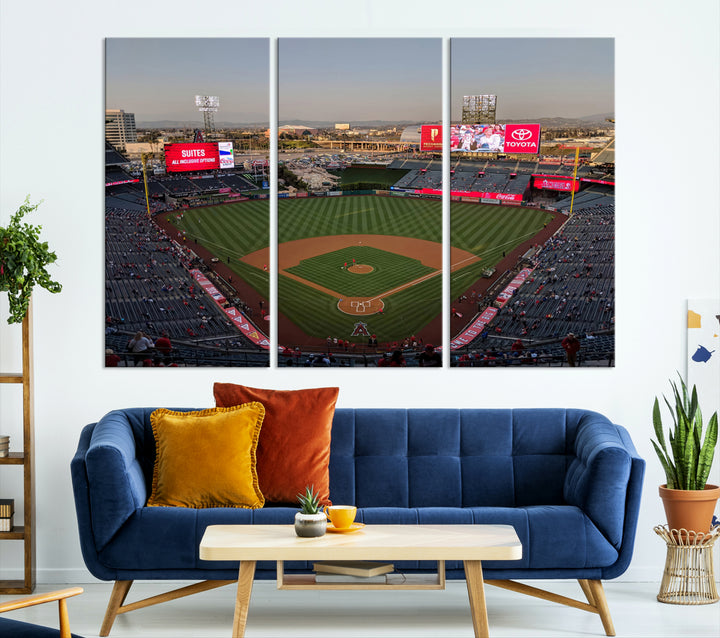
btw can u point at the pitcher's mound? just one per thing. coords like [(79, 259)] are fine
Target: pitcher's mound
[(360, 269), (360, 306)]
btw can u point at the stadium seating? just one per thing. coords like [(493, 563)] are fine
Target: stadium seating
[(571, 290), (149, 288)]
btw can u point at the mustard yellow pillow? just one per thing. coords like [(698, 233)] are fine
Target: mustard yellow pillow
[(207, 458)]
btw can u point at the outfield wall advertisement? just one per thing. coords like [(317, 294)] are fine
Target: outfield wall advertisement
[(507, 197), (201, 156), (555, 183)]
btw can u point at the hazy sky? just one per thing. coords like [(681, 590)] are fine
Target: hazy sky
[(158, 78), (535, 77), (356, 79)]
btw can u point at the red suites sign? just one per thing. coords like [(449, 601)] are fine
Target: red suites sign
[(191, 157)]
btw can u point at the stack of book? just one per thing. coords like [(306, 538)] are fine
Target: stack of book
[(4, 445), (7, 509), (361, 571)]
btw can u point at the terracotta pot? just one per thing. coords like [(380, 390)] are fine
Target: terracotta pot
[(690, 509)]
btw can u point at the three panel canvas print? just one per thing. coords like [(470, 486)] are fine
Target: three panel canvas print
[(365, 252)]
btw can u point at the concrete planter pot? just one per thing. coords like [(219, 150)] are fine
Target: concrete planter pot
[(310, 525)]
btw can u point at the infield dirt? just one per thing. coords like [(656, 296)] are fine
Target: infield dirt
[(428, 253)]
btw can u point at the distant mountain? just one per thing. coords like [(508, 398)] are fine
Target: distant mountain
[(552, 122), (566, 122), (353, 123), (167, 124)]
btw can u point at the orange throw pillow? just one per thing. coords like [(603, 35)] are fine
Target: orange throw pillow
[(294, 446)]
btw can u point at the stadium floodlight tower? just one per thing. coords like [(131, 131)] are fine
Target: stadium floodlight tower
[(479, 109), (208, 105)]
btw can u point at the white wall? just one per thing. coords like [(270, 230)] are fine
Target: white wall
[(668, 233)]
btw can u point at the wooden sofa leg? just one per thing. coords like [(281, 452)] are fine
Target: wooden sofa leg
[(600, 603), (587, 591), (117, 598)]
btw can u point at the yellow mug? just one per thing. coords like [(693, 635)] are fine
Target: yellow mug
[(341, 516)]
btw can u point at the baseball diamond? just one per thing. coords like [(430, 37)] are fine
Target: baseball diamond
[(395, 282)]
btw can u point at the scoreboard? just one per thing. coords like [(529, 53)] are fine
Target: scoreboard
[(201, 156)]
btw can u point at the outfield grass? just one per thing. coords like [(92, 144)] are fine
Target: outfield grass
[(390, 271), (489, 231), (384, 176), (318, 217), (232, 230)]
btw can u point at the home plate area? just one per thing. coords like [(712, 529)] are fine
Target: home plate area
[(360, 305)]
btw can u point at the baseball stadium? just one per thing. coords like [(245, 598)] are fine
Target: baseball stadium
[(360, 262), (359, 271)]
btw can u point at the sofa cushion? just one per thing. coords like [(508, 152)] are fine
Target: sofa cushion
[(294, 446), (207, 458)]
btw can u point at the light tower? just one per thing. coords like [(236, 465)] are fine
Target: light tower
[(208, 106), (479, 109)]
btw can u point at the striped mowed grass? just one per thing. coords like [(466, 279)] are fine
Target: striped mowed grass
[(368, 214), (234, 230), (230, 231), (332, 270), (489, 231)]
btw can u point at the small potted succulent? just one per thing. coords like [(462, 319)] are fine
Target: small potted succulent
[(311, 520)]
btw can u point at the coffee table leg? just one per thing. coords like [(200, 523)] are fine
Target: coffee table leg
[(476, 593), (242, 600)]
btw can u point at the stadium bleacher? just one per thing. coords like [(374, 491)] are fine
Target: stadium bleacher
[(149, 288), (572, 289)]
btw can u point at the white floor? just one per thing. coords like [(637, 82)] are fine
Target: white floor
[(412, 614)]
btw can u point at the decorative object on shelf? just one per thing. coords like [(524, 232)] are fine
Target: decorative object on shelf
[(689, 502), (4, 444), (310, 521), (7, 509), (358, 568), (23, 258), (688, 578)]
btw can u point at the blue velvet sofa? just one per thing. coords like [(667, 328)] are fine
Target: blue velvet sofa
[(568, 480)]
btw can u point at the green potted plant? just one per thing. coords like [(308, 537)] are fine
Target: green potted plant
[(311, 520), (23, 258), (688, 500)]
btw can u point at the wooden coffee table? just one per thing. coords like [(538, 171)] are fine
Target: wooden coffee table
[(469, 543)]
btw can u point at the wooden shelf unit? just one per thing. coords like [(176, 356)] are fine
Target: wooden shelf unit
[(26, 459)]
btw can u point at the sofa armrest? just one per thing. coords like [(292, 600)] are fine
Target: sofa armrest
[(116, 482), (598, 476)]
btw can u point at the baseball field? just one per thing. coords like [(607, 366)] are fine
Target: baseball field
[(368, 260)]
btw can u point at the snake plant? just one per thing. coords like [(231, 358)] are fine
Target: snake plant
[(688, 461)]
